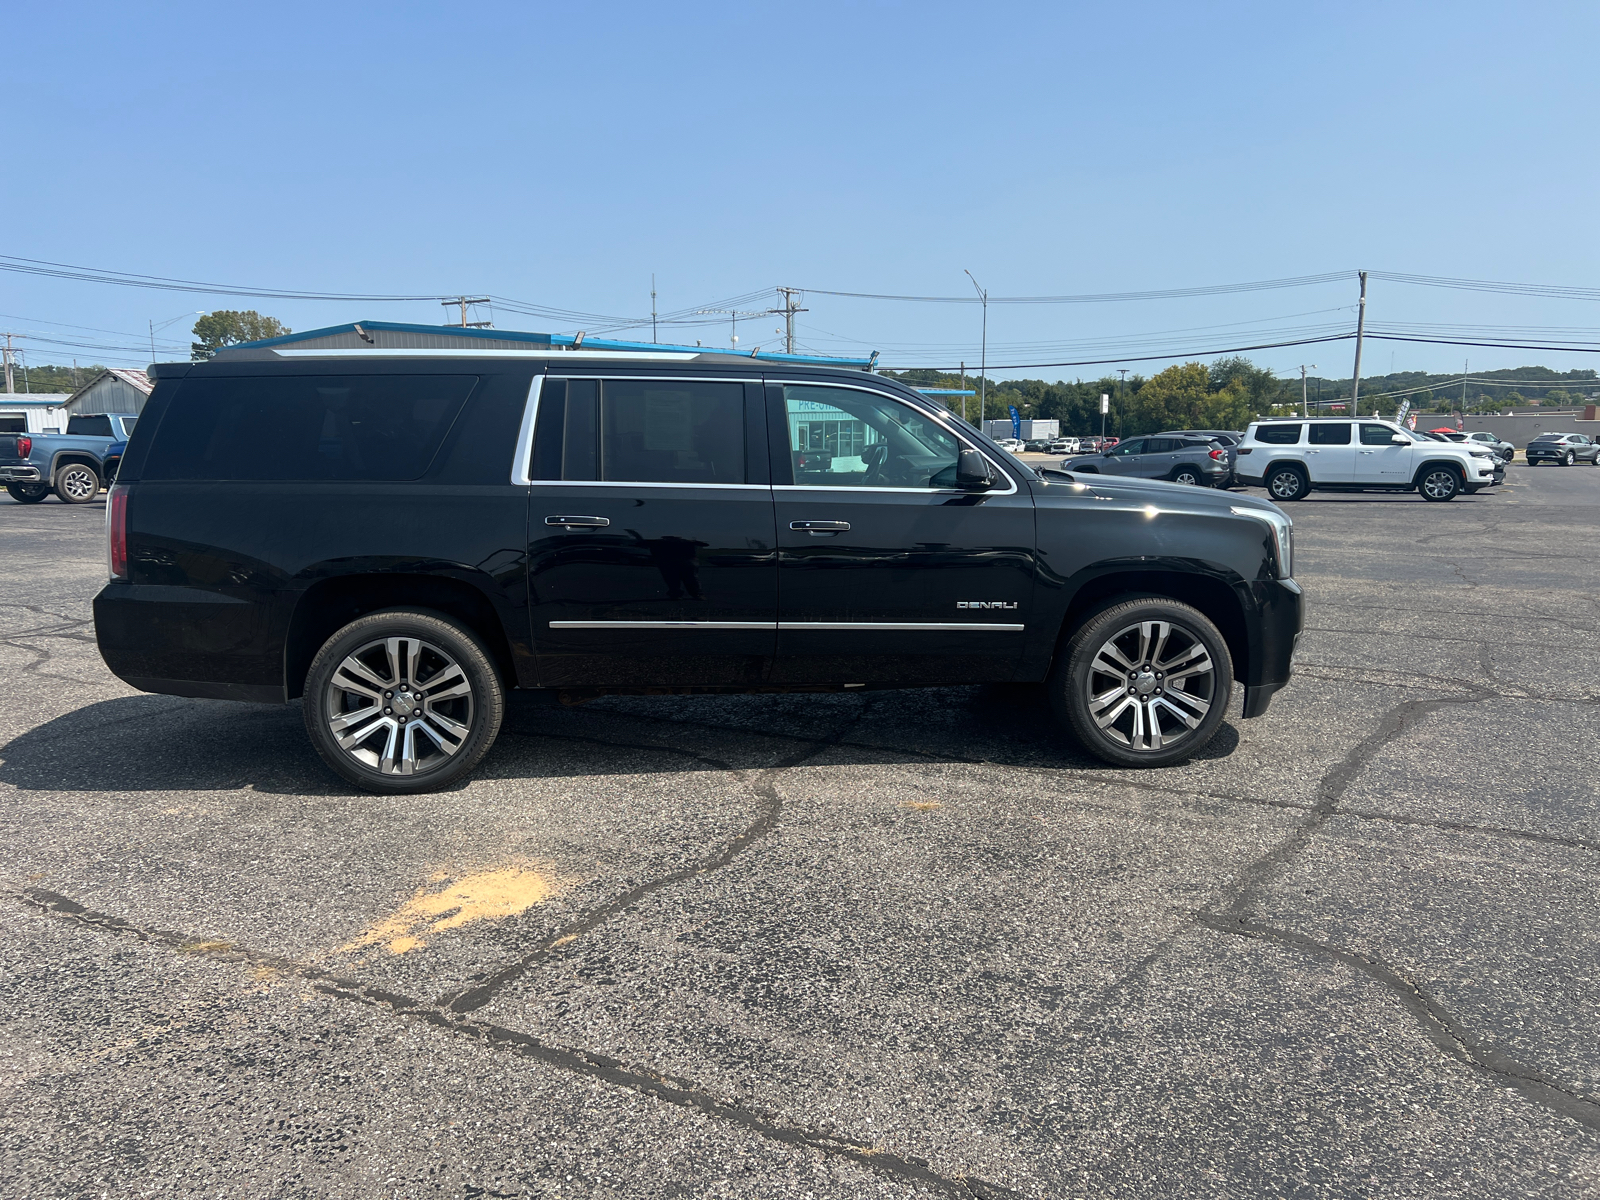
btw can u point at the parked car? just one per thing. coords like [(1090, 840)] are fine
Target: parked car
[(1012, 445), (1563, 449), (1037, 445), (1182, 460), (1064, 445), (443, 527), (1229, 440), (1292, 458), (1482, 437), (71, 464)]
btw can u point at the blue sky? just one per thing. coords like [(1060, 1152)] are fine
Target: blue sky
[(560, 154)]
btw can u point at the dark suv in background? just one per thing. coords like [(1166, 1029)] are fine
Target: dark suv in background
[(398, 538)]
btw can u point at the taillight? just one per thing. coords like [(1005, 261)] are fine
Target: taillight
[(24, 446), (117, 531), (1219, 454)]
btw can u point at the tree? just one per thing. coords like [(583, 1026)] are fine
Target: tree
[(216, 330), (1181, 397)]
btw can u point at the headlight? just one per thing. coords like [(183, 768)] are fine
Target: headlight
[(1283, 536)]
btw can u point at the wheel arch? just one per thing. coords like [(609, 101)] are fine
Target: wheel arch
[(1211, 595), (1429, 464), (330, 604), (1294, 464), (67, 458)]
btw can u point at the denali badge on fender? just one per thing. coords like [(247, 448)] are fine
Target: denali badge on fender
[(985, 604)]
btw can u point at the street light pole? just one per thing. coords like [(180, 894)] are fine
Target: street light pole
[(983, 368)]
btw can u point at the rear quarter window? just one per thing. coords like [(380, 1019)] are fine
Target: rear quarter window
[(377, 428), (1278, 435)]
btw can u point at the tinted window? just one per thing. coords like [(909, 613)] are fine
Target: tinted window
[(671, 431), (841, 437), (1278, 435), (128, 423), (1161, 445), (13, 424), (566, 443), (90, 426), (1334, 433), (1376, 435), (310, 427), (1136, 446)]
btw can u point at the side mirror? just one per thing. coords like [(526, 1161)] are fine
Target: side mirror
[(972, 470), (1400, 441)]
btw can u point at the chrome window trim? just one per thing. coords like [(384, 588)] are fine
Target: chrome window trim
[(874, 626), (947, 424), (530, 420)]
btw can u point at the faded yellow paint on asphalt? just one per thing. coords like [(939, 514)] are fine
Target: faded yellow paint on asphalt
[(482, 896)]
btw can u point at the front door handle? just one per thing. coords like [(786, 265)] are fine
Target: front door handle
[(579, 522), (820, 528)]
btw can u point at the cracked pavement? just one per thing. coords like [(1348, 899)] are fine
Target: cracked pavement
[(886, 944)]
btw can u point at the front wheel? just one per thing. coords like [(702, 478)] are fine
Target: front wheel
[(1143, 683), (403, 701), (77, 484), (27, 493), (1439, 484)]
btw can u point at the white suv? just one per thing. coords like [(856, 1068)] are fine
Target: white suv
[(1291, 458)]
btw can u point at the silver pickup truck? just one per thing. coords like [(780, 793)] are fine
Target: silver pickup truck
[(74, 465)]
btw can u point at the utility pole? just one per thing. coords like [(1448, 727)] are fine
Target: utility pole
[(462, 302), (653, 336), (1305, 407), (983, 366), (1361, 331), (1465, 363), (964, 392), (152, 341), (788, 310), (10, 381)]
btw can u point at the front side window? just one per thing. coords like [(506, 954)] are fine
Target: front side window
[(1334, 433), (307, 427), (841, 437), (1124, 448), (1278, 435), (639, 431), (1376, 435)]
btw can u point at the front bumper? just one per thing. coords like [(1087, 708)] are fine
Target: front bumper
[(19, 474)]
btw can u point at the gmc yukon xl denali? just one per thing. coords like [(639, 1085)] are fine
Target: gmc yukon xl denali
[(395, 538)]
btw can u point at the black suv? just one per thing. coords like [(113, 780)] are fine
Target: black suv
[(400, 537)]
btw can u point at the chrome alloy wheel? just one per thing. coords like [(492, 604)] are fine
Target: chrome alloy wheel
[(1284, 485), (1150, 685), (399, 705), (1439, 485), (80, 484)]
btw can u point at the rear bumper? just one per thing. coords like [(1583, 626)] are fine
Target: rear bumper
[(183, 641), (19, 474)]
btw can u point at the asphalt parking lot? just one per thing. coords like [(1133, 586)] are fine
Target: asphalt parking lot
[(885, 944)]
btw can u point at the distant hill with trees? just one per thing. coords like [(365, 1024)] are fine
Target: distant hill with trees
[(1231, 392), (54, 379)]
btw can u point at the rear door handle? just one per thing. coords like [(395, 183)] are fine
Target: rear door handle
[(820, 528), (579, 522)]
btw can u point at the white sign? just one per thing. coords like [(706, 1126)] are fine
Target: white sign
[(1405, 407), (1105, 403)]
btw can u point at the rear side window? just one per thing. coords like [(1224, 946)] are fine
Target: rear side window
[(1278, 435), (640, 431), (89, 426), (309, 427), (1336, 433)]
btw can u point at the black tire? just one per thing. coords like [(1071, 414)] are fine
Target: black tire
[(28, 493), (76, 484), (439, 756), (1287, 483), (1569, 459), (1186, 475), (1078, 678), (1439, 484)]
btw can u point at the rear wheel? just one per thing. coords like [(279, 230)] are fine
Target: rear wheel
[(1186, 475), (77, 484), (1439, 484), (1143, 683), (1568, 459), (403, 701), (1287, 483), (28, 493)]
